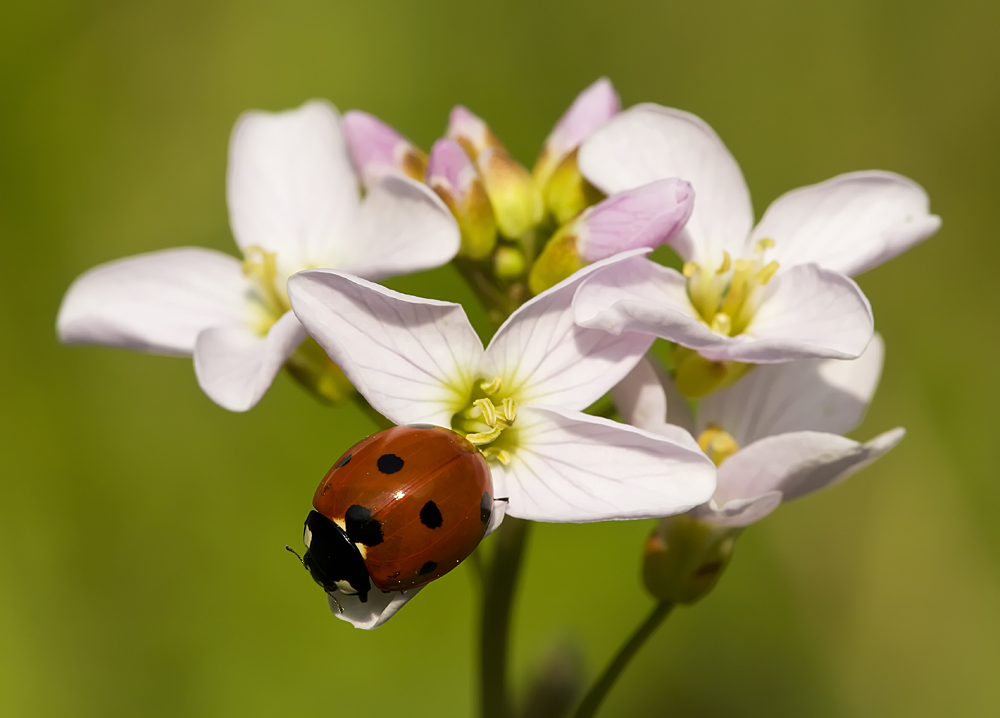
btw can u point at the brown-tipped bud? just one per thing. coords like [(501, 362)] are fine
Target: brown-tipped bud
[(452, 175), (683, 558), (378, 150), (470, 132), (517, 202)]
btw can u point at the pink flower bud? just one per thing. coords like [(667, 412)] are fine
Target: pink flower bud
[(452, 175), (470, 131), (377, 149)]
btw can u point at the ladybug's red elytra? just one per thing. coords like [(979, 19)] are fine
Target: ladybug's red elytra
[(398, 510)]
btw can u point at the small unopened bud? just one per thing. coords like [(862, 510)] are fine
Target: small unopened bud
[(312, 368), (567, 192), (517, 202), (696, 376), (377, 149), (509, 263), (470, 131), (558, 260), (592, 108), (556, 683), (683, 558), (452, 175)]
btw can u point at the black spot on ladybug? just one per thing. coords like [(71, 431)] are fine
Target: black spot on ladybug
[(361, 527), (422, 426), (427, 568), (485, 508), (343, 462), (430, 515), (389, 463)]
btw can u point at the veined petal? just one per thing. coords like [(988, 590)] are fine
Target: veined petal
[(649, 142), (379, 608), (403, 227), (797, 464), (828, 395), (378, 150), (738, 512), (413, 359), (638, 295), (571, 467), (806, 312), (156, 302), (290, 186), (647, 398), (235, 365), (849, 223), (544, 358), (646, 216)]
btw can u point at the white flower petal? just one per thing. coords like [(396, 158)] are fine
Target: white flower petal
[(235, 365), (647, 398), (649, 142), (499, 504), (806, 312), (797, 464), (572, 467), (156, 302), (739, 512), (545, 359), (403, 227), (413, 359), (849, 223), (379, 608), (290, 186), (829, 395)]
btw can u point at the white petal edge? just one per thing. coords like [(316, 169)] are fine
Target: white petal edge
[(413, 359), (797, 464), (649, 142), (403, 227), (739, 512), (235, 366), (828, 395), (648, 398), (543, 358), (290, 186), (156, 302), (378, 609), (849, 223), (570, 467)]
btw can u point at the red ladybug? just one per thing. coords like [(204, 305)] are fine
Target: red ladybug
[(398, 510)]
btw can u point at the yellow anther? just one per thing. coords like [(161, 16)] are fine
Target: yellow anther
[(717, 444), (689, 269), (501, 455), (260, 267), (763, 244), (726, 262), (486, 437), (509, 410), (488, 410), (492, 387), (722, 323), (765, 274)]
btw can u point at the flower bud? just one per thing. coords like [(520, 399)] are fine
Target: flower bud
[(592, 108), (312, 368), (509, 263), (377, 149), (517, 203), (568, 192), (683, 558), (452, 175), (470, 131), (696, 376), (558, 260)]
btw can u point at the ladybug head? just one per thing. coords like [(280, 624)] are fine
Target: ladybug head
[(332, 559)]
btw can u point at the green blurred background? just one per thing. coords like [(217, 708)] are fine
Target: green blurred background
[(142, 528)]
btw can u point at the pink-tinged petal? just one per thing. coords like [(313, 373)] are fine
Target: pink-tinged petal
[(290, 186), (544, 358), (646, 216), (797, 464), (413, 359), (807, 312), (378, 150), (470, 131), (573, 468), (739, 512), (828, 395), (156, 302), (450, 168), (849, 223), (638, 295), (403, 227), (235, 365), (379, 608), (647, 143)]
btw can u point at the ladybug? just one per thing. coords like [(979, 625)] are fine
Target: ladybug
[(399, 509)]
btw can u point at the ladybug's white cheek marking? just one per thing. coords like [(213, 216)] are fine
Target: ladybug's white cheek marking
[(345, 588), (342, 524), (363, 549), (307, 537)]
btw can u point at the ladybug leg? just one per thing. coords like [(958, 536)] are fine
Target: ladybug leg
[(334, 599)]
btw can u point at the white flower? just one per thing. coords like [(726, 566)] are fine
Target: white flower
[(420, 361), (775, 434), (771, 293), (294, 203)]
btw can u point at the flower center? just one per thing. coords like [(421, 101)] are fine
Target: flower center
[(486, 418), (717, 444), (727, 296), (268, 295)]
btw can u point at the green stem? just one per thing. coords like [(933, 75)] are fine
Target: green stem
[(592, 701), (500, 585)]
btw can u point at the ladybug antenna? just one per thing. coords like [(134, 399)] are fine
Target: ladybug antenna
[(291, 550), (334, 599)]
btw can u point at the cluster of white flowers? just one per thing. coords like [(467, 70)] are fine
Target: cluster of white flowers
[(321, 207)]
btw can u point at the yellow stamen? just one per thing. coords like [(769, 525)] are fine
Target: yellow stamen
[(501, 455), (491, 388), (717, 444)]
